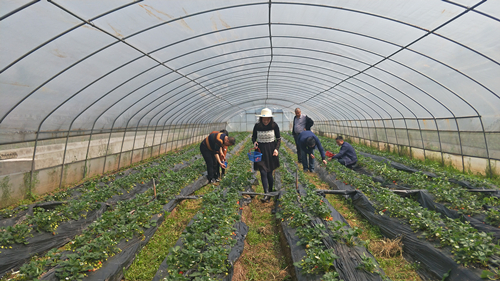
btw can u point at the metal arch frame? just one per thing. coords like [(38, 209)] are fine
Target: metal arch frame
[(137, 112), (483, 128), (292, 68), (233, 6), (272, 53), (313, 109), (195, 14), (467, 9), (134, 143), (18, 9), (95, 121)]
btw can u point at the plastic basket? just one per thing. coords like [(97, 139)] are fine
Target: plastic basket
[(329, 154), (254, 156)]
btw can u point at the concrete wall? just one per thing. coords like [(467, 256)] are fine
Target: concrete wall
[(469, 164), (51, 172)]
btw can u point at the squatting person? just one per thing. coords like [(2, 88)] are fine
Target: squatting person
[(347, 154)]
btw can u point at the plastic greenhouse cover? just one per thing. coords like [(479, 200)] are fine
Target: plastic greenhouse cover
[(70, 65)]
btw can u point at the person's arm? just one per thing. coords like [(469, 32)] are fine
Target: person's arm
[(278, 139), (221, 154), (254, 136), (341, 153), (320, 148), (217, 157)]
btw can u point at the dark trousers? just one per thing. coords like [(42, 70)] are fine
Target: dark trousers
[(299, 155), (342, 161), (210, 161), (267, 180), (307, 165)]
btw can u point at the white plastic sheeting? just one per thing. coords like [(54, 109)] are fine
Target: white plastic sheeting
[(90, 66)]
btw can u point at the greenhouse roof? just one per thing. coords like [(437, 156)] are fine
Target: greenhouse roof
[(98, 65)]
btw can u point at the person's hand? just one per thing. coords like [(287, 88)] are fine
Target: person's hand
[(312, 156), (275, 152), (255, 145), (324, 162), (330, 159), (222, 165)]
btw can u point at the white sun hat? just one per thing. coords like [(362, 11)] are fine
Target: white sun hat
[(266, 112)]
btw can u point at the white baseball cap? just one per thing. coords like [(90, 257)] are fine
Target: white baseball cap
[(266, 112)]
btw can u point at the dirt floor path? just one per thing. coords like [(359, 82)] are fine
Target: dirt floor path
[(262, 258)]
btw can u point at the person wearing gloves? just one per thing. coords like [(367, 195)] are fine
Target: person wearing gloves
[(211, 149), (347, 154), (266, 137), (308, 141)]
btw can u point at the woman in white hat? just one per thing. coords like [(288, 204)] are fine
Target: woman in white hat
[(266, 137)]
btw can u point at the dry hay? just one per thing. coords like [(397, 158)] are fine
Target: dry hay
[(387, 247)]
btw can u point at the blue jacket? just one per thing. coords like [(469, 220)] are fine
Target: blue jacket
[(347, 152), (303, 145)]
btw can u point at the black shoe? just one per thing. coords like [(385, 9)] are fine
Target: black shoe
[(265, 199), (217, 180)]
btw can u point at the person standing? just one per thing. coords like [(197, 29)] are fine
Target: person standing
[(301, 122), (347, 155), (308, 141), (211, 149), (266, 137)]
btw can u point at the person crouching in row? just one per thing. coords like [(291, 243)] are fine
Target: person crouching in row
[(347, 155), (212, 150)]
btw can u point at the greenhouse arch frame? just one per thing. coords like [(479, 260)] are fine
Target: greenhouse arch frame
[(89, 87)]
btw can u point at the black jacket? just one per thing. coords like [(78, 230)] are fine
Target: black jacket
[(309, 124)]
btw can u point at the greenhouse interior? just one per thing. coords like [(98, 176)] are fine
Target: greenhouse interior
[(136, 141)]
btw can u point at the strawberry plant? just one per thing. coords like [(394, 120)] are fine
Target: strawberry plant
[(468, 245), (124, 219), (207, 241)]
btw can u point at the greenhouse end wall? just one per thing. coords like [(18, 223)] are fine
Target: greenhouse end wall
[(20, 178), (469, 151)]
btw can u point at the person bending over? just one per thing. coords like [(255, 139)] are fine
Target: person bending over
[(301, 122), (211, 149), (219, 171), (308, 141)]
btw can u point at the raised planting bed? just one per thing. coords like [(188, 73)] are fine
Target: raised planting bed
[(437, 243), (429, 168), (130, 218), (214, 238), (322, 244), (479, 209)]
